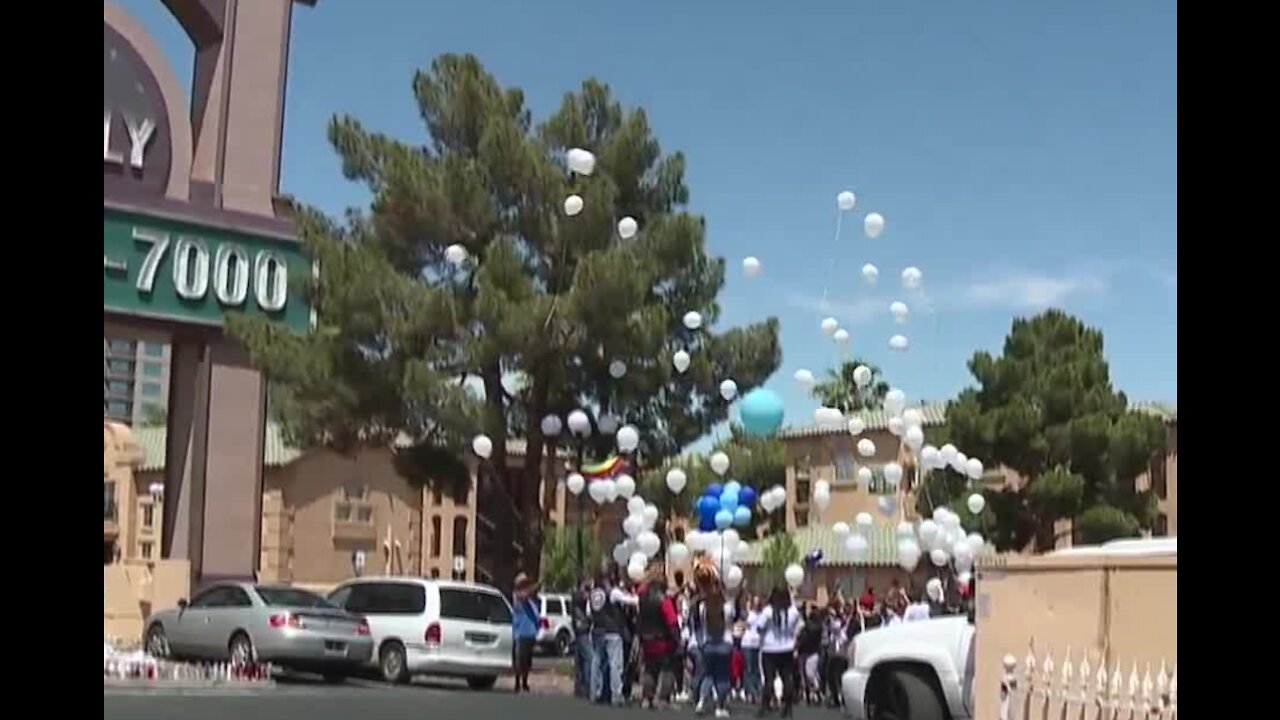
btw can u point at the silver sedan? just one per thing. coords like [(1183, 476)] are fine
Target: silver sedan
[(243, 623)]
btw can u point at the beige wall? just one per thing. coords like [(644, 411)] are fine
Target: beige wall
[(1118, 609), (132, 589)]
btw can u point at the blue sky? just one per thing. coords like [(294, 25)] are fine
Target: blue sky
[(1024, 154)]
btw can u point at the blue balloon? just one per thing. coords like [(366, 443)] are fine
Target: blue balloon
[(724, 519), (742, 516), (729, 501), (761, 411), (708, 506), (734, 487), (714, 490), (747, 496), (707, 524)]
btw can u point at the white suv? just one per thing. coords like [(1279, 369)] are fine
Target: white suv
[(555, 626), (432, 627)]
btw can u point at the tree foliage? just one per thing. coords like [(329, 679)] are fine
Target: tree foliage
[(540, 309), (840, 391), (1046, 409), (780, 550), (560, 569)]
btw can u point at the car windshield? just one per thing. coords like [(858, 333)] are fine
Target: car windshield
[(291, 597)]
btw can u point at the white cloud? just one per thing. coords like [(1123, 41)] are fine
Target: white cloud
[(1033, 291)]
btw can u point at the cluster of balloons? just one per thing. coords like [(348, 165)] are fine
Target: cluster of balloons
[(856, 540), (642, 543), (725, 506), (943, 540)]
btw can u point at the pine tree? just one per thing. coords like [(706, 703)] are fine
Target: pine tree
[(543, 305)]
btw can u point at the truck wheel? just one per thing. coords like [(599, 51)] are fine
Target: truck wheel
[(905, 695)]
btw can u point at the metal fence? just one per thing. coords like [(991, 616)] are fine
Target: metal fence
[(1040, 688)]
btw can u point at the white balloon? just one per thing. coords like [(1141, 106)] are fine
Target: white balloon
[(864, 521), (973, 468), (930, 458), (575, 483), (743, 551), (870, 273), (636, 572), (607, 424), (892, 474), (846, 200), (572, 205), (633, 525), (676, 480), (794, 575), (841, 336), (455, 254), (829, 326), (828, 417), (628, 438), (929, 530), (729, 539), (635, 505), (940, 515), (678, 553), (964, 578), (680, 360), (939, 557), (751, 266), (899, 311), (873, 225), (896, 426), (841, 529), (609, 488), (913, 437), (857, 547), (551, 425), (963, 556), (895, 401), (719, 463), (579, 423), (621, 553), (482, 446), (693, 539), (598, 492), (912, 277), (933, 589), (617, 369), (649, 543), (912, 418), (976, 542), (862, 376), (728, 390), (899, 343), (779, 496), (626, 485), (866, 448), (638, 558), (904, 531), (822, 497), (865, 476), (856, 425), (692, 320), (961, 464), (948, 454), (733, 577), (580, 161), (976, 503), (627, 228), (908, 556), (650, 514), (805, 378)]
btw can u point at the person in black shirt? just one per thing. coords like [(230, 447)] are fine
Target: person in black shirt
[(583, 651)]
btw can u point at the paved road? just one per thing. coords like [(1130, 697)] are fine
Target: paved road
[(361, 700)]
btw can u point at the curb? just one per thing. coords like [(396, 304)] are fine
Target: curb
[(168, 685)]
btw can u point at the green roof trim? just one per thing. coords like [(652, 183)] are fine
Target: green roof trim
[(883, 551)]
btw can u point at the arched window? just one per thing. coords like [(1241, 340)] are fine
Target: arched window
[(460, 536)]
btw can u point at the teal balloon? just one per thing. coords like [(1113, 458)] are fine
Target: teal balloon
[(742, 516), (724, 519), (761, 412)]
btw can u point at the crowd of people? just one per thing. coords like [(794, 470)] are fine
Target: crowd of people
[(695, 642)]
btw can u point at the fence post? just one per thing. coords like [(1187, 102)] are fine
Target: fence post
[(1008, 683)]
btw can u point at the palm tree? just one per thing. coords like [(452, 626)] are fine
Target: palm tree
[(841, 392)]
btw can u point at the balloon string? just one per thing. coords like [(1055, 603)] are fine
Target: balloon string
[(835, 256)]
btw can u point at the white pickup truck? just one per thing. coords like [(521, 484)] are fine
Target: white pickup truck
[(924, 670)]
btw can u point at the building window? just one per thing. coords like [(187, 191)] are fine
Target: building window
[(364, 514), (152, 369), (846, 467), (121, 347), (153, 350), (437, 497), (435, 536), (151, 389), (1161, 528), (144, 549), (435, 573), (119, 409), (118, 387), (120, 367), (355, 493), (108, 500), (460, 536), (148, 515), (802, 516), (342, 512), (461, 492)]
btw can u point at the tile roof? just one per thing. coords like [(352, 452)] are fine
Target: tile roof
[(1167, 412), (277, 452)]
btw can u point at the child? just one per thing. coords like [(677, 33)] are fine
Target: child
[(737, 664)]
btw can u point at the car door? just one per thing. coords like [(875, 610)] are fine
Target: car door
[(495, 645), (394, 610), (229, 613), (193, 635), (464, 626)]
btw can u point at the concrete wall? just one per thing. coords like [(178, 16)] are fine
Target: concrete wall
[(132, 590), (1121, 609)]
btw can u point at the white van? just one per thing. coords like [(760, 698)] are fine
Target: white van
[(432, 627)]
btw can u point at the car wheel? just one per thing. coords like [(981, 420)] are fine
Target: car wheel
[(157, 643), (905, 695), (241, 650), (564, 644), (391, 660), (482, 682)]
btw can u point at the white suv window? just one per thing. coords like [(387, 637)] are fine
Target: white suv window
[(554, 606)]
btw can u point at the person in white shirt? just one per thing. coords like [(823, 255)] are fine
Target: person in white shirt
[(712, 622), (778, 624), (751, 682)]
